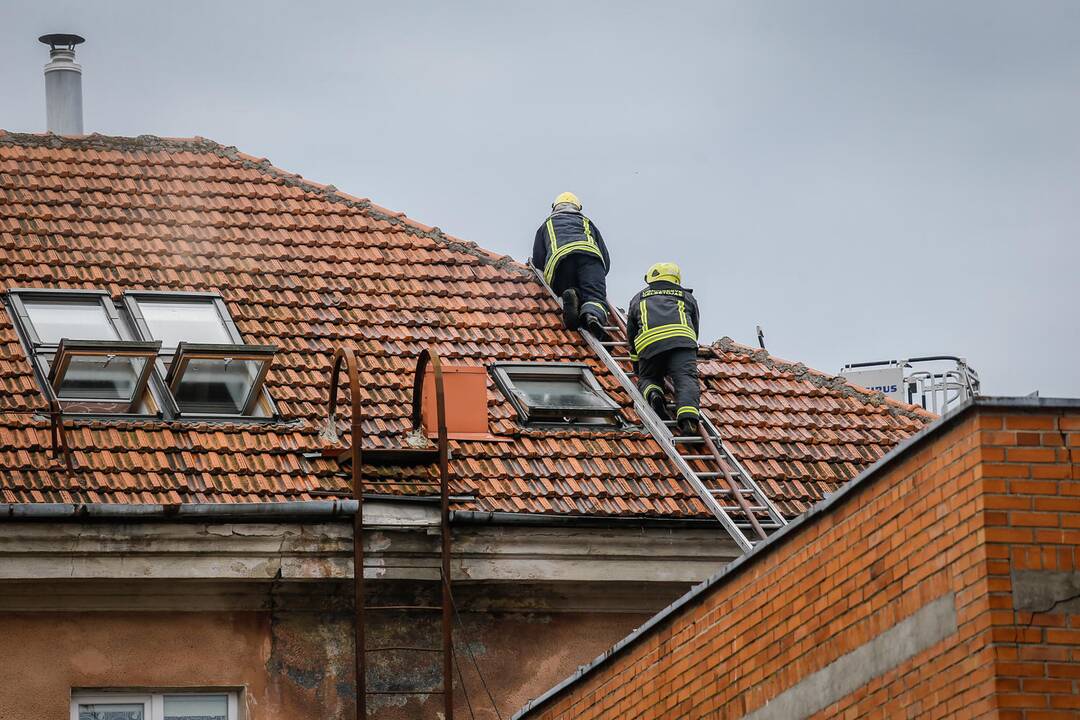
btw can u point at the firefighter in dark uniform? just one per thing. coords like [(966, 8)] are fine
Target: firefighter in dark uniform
[(570, 251), (662, 328)]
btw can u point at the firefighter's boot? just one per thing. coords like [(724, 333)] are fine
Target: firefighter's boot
[(570, 309)]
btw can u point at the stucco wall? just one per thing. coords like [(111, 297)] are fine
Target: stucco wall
[(290, 665)]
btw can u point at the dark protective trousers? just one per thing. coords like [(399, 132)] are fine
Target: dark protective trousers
[(679, 364), (587, 274)]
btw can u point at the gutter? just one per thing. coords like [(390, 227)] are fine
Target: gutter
[(338, 508), (698, 592), (113, 511), (298, 509), (477, 517)]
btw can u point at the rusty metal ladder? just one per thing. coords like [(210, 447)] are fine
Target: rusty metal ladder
[(345, 359), (708, 465)]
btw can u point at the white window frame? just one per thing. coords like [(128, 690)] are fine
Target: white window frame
[(131, 300), (153, 702), (44, 356), (126, 319), (506, 373)]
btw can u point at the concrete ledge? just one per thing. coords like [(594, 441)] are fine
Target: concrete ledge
[(925, 628), (401, 544)]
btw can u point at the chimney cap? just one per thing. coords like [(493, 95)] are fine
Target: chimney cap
[(54, 40)]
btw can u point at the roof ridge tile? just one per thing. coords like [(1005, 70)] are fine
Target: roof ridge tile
[(151, 143)]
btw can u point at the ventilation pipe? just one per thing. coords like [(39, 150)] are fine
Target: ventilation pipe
[(63, 85)]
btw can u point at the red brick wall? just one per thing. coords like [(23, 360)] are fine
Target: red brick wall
[(952, 515), (1031, 478)]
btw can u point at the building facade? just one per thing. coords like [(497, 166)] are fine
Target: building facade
[(943, 582), (176, 509)]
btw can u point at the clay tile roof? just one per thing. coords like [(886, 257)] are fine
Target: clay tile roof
[(307, 267)]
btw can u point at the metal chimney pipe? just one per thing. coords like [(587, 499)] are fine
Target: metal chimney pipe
[(63, 85)]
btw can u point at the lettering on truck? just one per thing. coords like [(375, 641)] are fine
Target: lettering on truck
[(885, 388)]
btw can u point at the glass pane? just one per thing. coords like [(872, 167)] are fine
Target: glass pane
[(100, 377), (111, 711), (557, 392), (173, 322), (217, 385), (71, 319), (196, 707)]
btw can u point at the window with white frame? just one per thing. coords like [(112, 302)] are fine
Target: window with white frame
[(89, 359), (201, 705), (556, 393), (160, 354), (208, 369)]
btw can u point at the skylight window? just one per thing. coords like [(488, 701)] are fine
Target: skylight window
[(561, 393), (208, 368), (85, 353), (109, 376), (218, 379), (163, 354), (175, 322), (71, 317)]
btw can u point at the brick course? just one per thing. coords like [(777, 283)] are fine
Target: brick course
[(958, 512)]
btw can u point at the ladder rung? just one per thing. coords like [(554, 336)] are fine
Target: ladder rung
[(389, 648), (687, 439), (726, 491), (402, 607), (403, 692), (622, 358), (710, 474), (612, 343), (698, 457), (612, 328)]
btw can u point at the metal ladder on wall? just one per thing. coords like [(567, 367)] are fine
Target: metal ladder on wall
[(715, 474), (345, 359)]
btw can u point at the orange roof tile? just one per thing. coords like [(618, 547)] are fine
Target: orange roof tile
[(306, 267)]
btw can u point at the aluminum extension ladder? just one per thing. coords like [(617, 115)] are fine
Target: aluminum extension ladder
[(720, 480)]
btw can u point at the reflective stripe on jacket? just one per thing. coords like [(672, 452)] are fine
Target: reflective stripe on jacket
[(662, 316), (566, 233)]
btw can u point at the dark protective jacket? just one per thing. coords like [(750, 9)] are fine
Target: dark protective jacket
[(565, 233), (660, 317)]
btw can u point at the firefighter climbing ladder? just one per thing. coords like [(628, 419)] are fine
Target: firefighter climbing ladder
[(720, 480)]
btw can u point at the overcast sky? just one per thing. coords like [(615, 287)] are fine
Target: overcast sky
[(866, 180)]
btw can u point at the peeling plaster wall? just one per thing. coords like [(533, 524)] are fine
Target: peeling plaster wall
[(290, 664), (519, 654), (45, 655)]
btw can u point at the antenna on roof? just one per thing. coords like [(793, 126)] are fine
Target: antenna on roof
[(63, 85), (760, 337)]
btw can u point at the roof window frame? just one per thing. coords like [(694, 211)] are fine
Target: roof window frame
[(133, 336), (67, 350), (43, 355), (130, 300), (18, 296), (186, 352), (504, 374), (168, 355)]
